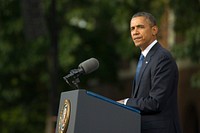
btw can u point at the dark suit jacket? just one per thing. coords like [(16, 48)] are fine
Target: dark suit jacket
[(155, 93)]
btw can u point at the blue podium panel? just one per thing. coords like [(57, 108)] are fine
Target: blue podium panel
[(88, 112)]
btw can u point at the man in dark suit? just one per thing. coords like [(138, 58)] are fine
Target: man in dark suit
[(154, 90)]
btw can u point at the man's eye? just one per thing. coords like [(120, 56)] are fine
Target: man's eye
[(132, 29), (140, 26)]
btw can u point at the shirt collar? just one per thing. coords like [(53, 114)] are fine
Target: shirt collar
[(146, 51)]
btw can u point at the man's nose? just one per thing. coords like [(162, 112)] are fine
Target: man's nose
[(135, 32)]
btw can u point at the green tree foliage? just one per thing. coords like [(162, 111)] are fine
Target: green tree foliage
[(23, 74), (187, 27)]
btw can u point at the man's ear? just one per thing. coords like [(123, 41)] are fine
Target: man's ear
[(154, 30)]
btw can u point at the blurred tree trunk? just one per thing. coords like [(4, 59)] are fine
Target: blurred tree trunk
[(53, 67), (34, 21), (35, 27)]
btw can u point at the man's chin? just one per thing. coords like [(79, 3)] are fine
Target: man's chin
[(137, 44)]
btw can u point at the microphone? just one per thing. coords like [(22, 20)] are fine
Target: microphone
[(85, 67), (89, 66)]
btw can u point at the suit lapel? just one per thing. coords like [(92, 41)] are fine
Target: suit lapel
[(145, 62)]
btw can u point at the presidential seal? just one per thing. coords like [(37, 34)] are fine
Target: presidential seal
[(64, 117)]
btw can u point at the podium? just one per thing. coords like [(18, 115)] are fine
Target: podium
[(82, 111)]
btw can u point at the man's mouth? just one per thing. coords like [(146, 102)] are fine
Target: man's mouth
[(137, 38)]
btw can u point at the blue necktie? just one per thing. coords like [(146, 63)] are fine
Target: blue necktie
[(139, 65)]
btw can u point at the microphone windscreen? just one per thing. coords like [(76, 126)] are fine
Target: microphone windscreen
[(89, 65)]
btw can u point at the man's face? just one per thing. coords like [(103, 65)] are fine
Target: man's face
[(142, 33)]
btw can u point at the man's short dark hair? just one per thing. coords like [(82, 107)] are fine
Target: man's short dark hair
[(147, 15)]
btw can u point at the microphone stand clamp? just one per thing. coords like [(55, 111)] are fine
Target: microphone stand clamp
[(73, 78)]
